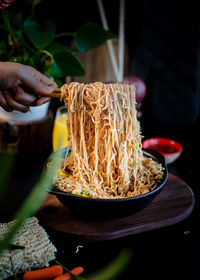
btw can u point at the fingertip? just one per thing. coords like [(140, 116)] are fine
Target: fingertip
[(47, 81), (45, 90), (54, 85), (41, 101), (50, 88), (8, 109), (4, 104), (37, 82), (24, 110)]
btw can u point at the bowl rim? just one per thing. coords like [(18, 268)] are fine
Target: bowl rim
[(148, 152), (167, 142)]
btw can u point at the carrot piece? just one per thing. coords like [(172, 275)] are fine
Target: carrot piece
[(44, 274), (67, 276)]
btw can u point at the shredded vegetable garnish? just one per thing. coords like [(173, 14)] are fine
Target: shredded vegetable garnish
[(106, 159)]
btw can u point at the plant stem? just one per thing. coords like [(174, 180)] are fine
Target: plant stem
[(115, 268), (65, 34), (32, 9), (49, 54), (13, 269), (66, 269), (7, 23)]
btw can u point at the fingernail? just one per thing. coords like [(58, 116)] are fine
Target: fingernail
[(26, 110), (45, 102), (8, 109), (50, 88)]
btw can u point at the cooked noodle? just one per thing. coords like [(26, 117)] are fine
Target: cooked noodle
[(106, 158)]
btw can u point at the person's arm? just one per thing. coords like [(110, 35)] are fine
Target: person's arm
[(22, 86)]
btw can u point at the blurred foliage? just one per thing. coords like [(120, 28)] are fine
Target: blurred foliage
[(30, 206), (32, 202), (111, 271), (115, 268), (30, 40)]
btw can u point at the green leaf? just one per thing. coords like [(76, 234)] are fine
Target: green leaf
[(66, 64), (33, 201), (115, 268), (39, 34), (58, 47), (16, 18), (12, 246), (66, 269), (58, 82), (91, 35), (27, 45), (13, 269), (16, 247)]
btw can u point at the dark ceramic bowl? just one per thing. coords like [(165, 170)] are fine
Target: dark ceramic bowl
[(94, 208)]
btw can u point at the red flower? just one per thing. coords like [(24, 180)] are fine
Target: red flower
[(5, 3)]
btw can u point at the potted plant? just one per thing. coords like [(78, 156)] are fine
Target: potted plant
[(31, 41)]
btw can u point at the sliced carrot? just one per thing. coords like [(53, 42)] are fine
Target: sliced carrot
[(97, 190), (68, 276), (115, 176), (44, 274)]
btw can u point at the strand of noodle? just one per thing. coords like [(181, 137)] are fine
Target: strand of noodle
[(106, 143)]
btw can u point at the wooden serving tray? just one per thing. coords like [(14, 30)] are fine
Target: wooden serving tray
[(172, 205)]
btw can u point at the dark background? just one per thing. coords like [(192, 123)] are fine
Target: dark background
[(163, 49)]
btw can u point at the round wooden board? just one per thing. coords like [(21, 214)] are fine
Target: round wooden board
[(174, 203)]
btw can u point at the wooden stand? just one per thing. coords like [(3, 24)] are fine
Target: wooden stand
[(174, 203), (26, 137)]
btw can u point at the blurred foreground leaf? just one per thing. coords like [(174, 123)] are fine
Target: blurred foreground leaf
[(13, 246), (115, 268), (73, 275), (111, 271), (32, 203)]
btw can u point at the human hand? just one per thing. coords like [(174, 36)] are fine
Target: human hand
[(22, 86)]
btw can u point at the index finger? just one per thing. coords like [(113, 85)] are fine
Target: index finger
[(36, 81)]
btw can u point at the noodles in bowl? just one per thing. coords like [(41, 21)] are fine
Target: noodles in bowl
[(106, 160)]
